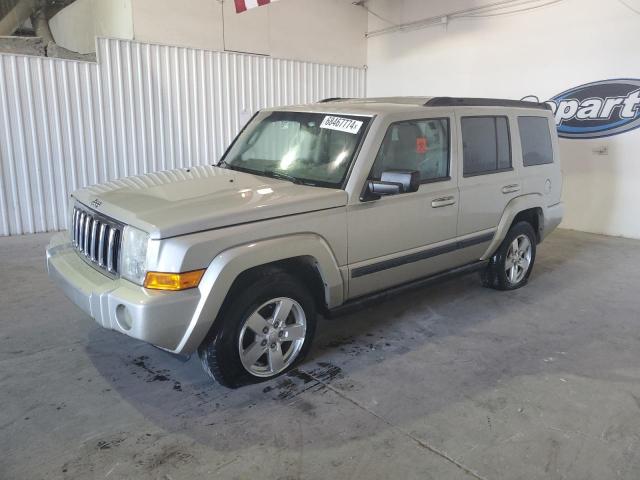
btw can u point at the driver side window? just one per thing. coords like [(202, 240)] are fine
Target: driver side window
[(421, 145)]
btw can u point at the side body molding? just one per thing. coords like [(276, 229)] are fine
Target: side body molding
[(229, 264), (515, 206)]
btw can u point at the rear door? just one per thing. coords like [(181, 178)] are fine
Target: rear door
[(489, 176)]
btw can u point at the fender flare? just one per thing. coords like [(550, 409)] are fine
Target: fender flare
[(229, 264), (515, 206)]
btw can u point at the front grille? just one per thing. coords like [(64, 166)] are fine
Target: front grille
[(97, 238)]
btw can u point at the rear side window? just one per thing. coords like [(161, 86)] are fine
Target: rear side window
[(421, 145), (536, 141), (486, 145)]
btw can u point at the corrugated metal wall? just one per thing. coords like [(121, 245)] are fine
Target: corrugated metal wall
[(142, 108)]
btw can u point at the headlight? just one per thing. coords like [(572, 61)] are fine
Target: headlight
[(133, 260)]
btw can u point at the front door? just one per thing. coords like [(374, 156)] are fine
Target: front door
[(402, 237)]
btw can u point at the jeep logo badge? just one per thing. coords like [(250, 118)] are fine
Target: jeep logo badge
[(96, 203), (598, 109)]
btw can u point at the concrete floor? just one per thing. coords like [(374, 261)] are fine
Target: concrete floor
[(453, 382)]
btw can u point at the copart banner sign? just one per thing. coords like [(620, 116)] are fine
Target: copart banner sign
[(598, 109)]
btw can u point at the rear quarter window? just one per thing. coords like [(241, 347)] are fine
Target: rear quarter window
[(535, 139)]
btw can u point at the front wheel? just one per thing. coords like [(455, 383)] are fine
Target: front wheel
[(511, 265), (265, 329)]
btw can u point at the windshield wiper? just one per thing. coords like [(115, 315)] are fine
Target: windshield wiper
[(224, 164), (268, 173), (283, 176)]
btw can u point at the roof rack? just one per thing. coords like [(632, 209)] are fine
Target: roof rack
[(483, 102), (332, 99)]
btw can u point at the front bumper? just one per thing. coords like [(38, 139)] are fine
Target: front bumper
[(160, 318)]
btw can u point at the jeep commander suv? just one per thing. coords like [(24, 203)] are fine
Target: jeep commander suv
[(313, 208)]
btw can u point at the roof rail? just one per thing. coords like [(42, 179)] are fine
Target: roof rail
[(332, 99), (483, 102)]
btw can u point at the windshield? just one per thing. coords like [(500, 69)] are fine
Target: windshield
[(309, 148)]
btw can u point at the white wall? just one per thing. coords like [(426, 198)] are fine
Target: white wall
[(191, 23), (325, 31), (541, 52), (76, 26), (113, 18), (141, 108), (73, 27)]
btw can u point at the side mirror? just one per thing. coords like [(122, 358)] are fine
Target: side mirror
[(392, 182)]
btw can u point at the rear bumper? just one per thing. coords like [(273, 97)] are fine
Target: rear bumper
[(552, 218), (160, 318)]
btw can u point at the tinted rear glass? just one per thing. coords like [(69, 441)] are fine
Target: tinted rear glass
[(486, 145), (536, 141)]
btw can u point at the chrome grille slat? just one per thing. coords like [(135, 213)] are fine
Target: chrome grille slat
[(103, 232), (78, 228), (74, 226), (72, 231), (87, 233), (94, 232), (83, 218), (111, 249), (97, 238), (77, 225)]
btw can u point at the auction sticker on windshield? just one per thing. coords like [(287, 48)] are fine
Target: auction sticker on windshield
[(341, 124)]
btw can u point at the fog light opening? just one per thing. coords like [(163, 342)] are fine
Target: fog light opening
[(123, 317)]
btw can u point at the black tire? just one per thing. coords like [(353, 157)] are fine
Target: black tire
[(495, 275), (219, 353)]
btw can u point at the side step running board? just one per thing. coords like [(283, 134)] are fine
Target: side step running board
[(361, 302)]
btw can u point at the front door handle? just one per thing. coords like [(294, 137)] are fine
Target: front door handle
[(511, 188), (443, 202)]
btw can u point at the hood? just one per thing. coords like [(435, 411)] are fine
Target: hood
[(177, 202)]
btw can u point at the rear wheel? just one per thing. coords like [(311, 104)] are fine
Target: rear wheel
[(265, 329), (512, 263)]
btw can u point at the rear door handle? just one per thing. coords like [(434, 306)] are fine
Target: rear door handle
[(443, 202), (511, 188)]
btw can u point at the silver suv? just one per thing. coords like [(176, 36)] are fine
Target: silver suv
[(313, 208)]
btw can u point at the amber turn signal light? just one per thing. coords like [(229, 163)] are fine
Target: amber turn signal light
[(173, 281)]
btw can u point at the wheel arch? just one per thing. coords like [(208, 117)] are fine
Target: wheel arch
[(304, 268), (524, 208), (308, 256), (535, 217)]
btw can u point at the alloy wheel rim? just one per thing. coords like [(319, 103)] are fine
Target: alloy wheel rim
[(272, 337), (518, 259)]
